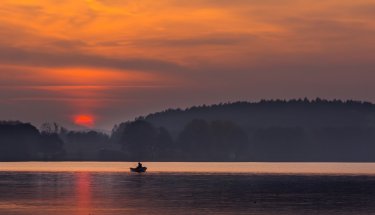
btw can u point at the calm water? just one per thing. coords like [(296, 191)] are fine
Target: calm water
[(84, 188)]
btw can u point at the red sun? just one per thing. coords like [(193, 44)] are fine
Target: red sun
[(84, 120)]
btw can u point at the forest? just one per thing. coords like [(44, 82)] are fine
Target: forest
[(299, 130)]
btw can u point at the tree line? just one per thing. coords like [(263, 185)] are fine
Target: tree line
[(273, 130)]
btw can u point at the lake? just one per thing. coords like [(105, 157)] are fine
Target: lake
[(108, 188)]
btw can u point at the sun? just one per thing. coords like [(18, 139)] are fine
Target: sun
[(84, 120)]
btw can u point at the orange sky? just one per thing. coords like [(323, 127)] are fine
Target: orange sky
[(117, 59)]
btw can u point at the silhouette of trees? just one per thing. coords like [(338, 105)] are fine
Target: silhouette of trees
[(280, 144), (85, 145), (164, 147), (111, 155), (269, 130), (50, 128), (140, 140), (18, 141), (51, 147), (212, 141)]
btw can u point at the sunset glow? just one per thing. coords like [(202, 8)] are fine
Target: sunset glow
[(187, 107), (101, 56)]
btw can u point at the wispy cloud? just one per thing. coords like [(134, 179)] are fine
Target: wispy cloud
[(17, 56), (60, 56)]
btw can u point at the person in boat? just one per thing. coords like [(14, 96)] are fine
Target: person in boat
[(139, 165)]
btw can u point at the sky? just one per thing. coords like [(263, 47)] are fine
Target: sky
[(96, 63)]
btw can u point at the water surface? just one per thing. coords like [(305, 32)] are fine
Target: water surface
[(196, 167), (82, 188)]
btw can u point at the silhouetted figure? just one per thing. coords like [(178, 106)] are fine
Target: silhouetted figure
[(139, 168), (139, 165)]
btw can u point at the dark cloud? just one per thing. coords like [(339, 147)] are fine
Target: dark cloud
[(366, 10), (219, 39), (324, 27), (17, 56), (111, 43), (67, 44)]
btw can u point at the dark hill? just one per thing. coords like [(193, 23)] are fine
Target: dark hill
[(273, 113), (275, 130)]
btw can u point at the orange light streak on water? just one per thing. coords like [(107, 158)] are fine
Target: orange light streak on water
[(83, 189), (190, 167)]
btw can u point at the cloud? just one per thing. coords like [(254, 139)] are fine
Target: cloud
[(179, 52), (65, 44), (17, 56), (219, 39), (323, 27), (22, 9), (86, 17)]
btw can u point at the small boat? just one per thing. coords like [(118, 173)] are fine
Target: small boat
[(138, 169)]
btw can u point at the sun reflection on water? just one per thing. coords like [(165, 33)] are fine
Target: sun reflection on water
[(83, 190)]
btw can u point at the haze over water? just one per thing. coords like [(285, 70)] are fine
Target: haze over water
[(82, 188)]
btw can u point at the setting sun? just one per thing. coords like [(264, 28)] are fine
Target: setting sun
[(84, 120)]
